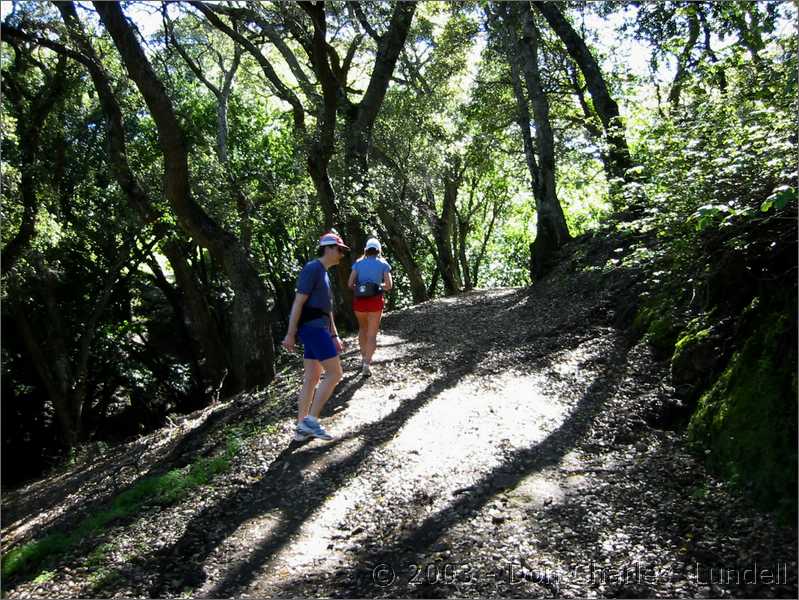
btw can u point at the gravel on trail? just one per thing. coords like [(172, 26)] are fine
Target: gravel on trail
[(500, 449)]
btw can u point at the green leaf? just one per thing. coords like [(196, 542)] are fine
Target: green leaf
[(708, 214), (779, 198)]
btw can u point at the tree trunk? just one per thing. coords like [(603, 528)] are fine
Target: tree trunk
[(523, 120), (551, 231), (403, 253), (199, 320), (486, 237), (442, 237), (464, 219), (52, 368), (463, 232), (173, 296), (685, 56), (252, 351), (29, 128), (395, 233), (431, 291), (360, 118), (618, 152), (449, 217), (197, 317), (243, 205)]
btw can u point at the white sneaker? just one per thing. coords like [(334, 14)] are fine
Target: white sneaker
[(309, 425), (300, 435), (366, 371)]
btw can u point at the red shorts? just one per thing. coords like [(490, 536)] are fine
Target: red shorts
[(368, 304)]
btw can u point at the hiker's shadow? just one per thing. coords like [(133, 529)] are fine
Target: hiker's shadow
[(344, 392), (338, 402)]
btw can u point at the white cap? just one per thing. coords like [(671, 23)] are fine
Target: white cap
[(373, 244)]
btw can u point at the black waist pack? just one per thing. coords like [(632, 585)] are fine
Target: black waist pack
[(309, 313), (365, 290)]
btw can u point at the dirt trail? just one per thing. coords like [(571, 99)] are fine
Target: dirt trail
[(501, 448)]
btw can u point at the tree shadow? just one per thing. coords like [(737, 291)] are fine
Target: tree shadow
[(177, 453), (270, 492), (680, 513), (344, 392), (519, 465), (664, 500), (439, 329), (328, 480)]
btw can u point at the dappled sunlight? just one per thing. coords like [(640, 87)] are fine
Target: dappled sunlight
[(462, 435), (571, 226), (390, 348), (308, 540), (311, 547), (466, 429), (537, 490)]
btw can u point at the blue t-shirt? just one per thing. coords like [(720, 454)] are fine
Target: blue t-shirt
[(370, 269), (313, 280)]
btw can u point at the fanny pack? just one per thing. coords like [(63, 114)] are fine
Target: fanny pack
[(309, 313), (368, 289)]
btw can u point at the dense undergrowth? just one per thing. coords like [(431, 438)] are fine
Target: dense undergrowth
[(733, 365), (716, 237)]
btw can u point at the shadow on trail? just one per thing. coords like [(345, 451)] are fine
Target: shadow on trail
[(101, 479), (273, 491), (284, 489), (519, 465), (344, 392)]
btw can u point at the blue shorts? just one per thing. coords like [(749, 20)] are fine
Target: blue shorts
[(318, 342)]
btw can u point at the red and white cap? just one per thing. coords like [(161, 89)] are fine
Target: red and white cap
[(332, 239)]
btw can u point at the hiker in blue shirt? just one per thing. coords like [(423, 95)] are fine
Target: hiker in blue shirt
[(312, 320), (370, 277)]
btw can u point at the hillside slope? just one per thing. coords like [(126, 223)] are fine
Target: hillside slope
[(502, 448)]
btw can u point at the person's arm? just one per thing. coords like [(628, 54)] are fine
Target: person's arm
[(353, 277), (334, 333), (388, 282), (294, 318)]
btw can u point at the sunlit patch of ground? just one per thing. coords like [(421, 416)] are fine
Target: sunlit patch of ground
[(460, 435), (466, 430)]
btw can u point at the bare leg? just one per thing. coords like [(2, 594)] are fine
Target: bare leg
[(313, 370), (373, 324), (333, 375), (363, 325)]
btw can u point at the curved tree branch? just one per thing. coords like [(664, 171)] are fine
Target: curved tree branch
[(361, 16), (195, 68), (29, 126), (280, 88)]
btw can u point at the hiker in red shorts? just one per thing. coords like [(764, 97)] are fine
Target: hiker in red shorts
[(370, 277)]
